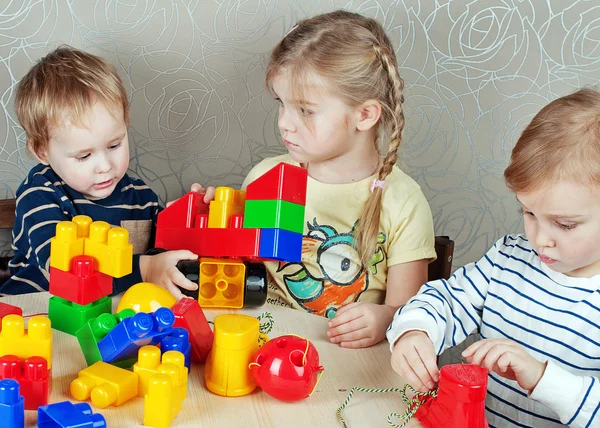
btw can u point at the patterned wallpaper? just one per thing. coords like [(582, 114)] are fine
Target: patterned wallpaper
[(476, 72)]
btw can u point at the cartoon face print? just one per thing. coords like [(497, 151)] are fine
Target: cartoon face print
[(331, 274)]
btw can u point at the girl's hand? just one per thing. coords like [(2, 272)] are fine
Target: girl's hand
[(359, 325), (415, 360), (508, 359), (161, 269), (209, 193)]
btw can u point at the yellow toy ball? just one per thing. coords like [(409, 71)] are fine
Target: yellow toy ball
[(146, 297)]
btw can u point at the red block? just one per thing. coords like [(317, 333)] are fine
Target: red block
[(282, 182), (212, 242), (83, 284), (460, 402), (182, 213), (33, 376), (6, 309), (189, 315)]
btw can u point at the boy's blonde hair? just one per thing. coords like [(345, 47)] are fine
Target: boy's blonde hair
[(64, 85), (561, 142), (356, 59)]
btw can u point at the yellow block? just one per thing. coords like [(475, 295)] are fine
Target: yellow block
[(111, 248), (235, 344), (105, 384), (158, 402), (35, 342), (227, 202), (222, 283), (68, 242)]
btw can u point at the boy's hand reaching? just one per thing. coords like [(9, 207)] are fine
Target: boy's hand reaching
[(160, 269), (209, 193), (359, 325), (415, 360), (508, 359)]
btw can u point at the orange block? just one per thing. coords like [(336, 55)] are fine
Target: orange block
[(221, 283)]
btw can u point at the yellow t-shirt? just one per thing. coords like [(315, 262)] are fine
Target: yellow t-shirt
[(331, 274)]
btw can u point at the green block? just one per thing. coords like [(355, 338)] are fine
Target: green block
[(95, 330), (69, 317), (274, 214)]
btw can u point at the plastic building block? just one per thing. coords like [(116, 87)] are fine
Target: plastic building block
[(207, 242), (82, 284), (146, 297), (178, 340), (227, 202), (287, 368), (282, 245), (95, 330), (68, 241), (236, 342), (124, 341), (189, 315), (33, 376), (159, 402), (182, 213), (12, 410), (460, 402), (284, 182), (105, 384), (111, 248), (69, 317), (69, 415), (6, 309), (37, 342), (172, 364), (221, 283), (274, 214)]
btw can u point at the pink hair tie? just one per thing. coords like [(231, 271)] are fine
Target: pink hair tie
[(377, 183)]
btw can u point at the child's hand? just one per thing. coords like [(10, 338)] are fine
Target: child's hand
[(209, 193), (359, 325), (508, 359), (160, 269), (414, 359)]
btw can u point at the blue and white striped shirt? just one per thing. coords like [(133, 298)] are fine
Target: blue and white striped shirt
[(510, 294), (43, 200)]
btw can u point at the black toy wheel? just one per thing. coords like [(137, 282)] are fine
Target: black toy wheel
[(255, 293)]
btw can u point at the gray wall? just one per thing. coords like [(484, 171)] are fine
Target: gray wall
[(476, 72)]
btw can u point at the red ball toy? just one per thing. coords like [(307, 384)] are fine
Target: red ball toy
[(287, 368)]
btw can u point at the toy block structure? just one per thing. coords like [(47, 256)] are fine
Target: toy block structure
[(85, 256), (227, 371), (189, 315), (124, 341), (105, 384), (66, 415), (222, 283), (33, 376), (6, 309), (12, 409), (69, 317), (151, 363), (178, 340), (36, 342), (95, 330), (460, 401)]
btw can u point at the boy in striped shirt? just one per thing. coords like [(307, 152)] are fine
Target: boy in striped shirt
[(535, 299), (74, 110)]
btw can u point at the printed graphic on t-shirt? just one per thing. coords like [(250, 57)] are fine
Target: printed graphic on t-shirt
[(331, 274)]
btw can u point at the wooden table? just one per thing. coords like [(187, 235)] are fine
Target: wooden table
[(344, 368)]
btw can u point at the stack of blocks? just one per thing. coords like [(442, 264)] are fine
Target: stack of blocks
[(84, 258), (26, 357)]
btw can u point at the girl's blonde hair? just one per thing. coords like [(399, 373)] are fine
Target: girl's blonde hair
[(561, 142), (355, 57), (65, 84)]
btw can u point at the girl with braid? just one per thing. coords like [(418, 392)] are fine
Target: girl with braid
[(368, 234)]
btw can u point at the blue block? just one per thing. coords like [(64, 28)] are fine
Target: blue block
[(67, 414), (124, 341), (282, 245), (12, 405), (178, 340)]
